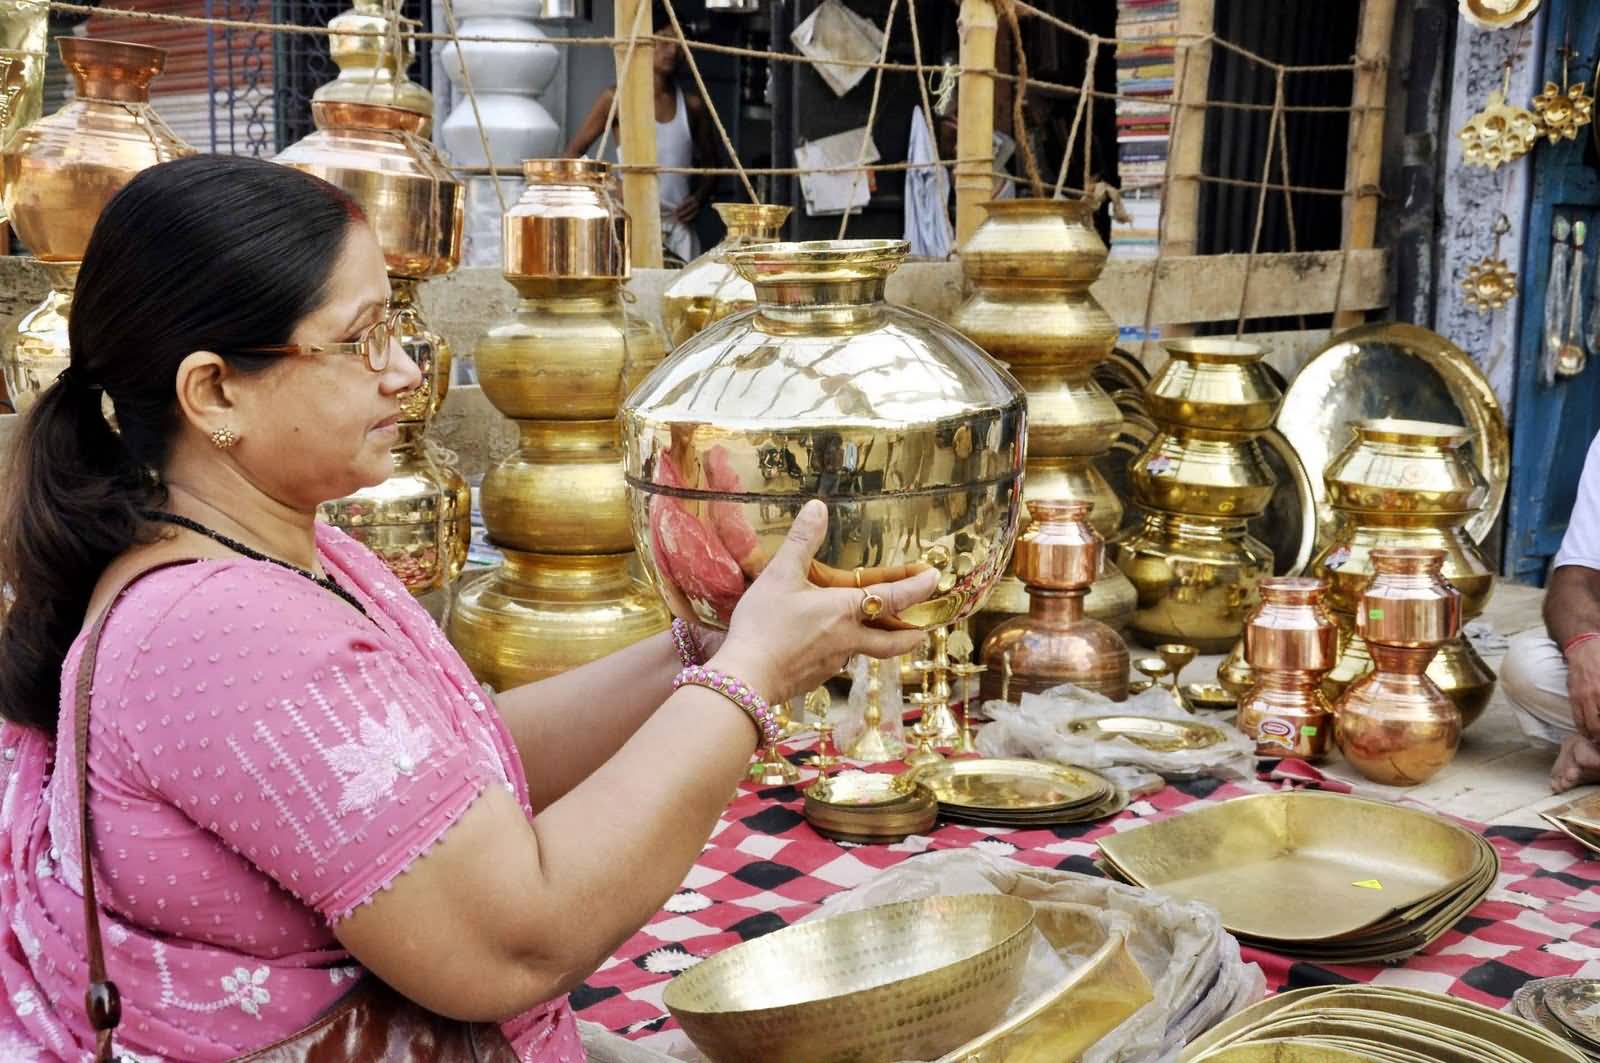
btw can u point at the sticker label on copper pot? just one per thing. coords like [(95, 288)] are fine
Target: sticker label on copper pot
[(1337, 558), (1276, 732), (1308, 730), (1374, 614), (1368, 884)]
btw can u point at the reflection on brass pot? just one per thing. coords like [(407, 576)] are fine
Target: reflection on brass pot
[(561, 492), (1394, 726), (912, 435), (1057, 558), (1195, 579), (709, 289), (1290, 643)]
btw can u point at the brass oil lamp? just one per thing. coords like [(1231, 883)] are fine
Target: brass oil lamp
[(1198, 482), (913, 436), (1408, 483), (1029, 267), (371, 142), (59, 173), (569, 590), (1393, 724), (1058, 559), (709, 289), (1290, 641)]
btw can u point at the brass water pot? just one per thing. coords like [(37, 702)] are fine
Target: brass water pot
[(57, 176), (1394, 725), (373, 59), (709, 289), (1195, 577), (912, 435), (1057, 559), (1290, 641), (1028, 268)]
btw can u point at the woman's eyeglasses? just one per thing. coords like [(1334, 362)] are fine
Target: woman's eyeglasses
[(372, 345)]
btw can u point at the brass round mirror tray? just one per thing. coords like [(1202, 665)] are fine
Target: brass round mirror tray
[(1162, 736), (1394, 370), (1013, 784)]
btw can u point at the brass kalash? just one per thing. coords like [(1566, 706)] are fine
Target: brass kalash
[(569, 591), (1192, 561), (371, 142), (1030, 265), (59, 173), (709, 288), (913, 436)]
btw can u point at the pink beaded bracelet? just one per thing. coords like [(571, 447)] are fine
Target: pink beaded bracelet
[(738, 692), (687, 643)]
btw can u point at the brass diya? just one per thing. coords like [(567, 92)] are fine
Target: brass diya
[(904, 981), (1029, 267), (570, 590), (1057, 559), (1394, 725), (1192, 561), (1291, 642), (911, 434), (419, 520), (709, 289), (59, 173)]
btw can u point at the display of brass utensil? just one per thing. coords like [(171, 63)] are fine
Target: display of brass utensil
[(1572, 358), (1176, 656), (1013, 784), (1290, 642), (1208, 697), (1165, 736), (1366, 859), (1557, 289), (1576, 1005), (905, 981), (869, 808), (1114, 802), (1395, 370), (1531, 1002), (1152, 668), (709, 289)]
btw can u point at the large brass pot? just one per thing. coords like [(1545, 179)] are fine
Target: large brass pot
[(1029, 266), (1057, 559), (709, 288), (912, 435), (1195, 577), (58, 174), (1394, 725), (1290, 642)]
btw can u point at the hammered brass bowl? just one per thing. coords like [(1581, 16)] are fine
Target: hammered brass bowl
[(903, 981)]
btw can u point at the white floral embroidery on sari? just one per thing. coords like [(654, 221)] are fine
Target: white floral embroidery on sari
[(386, 752)]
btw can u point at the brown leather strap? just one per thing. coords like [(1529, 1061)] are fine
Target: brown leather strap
[(101, 1000)]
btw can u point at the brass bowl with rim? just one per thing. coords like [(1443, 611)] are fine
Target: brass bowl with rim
[(903, 981)]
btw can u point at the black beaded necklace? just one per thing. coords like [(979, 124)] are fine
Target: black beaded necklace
[(236, 546)]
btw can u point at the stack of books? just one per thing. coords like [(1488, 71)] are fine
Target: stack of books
[(1145, 72)]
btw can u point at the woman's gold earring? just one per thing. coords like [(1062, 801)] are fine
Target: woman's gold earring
[(223, 438)]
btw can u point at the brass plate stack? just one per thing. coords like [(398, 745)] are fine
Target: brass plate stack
[(1013, 792), (903, 981), (1383, 1023), (1389, 880), (869, 807), (1566, 1008), (1578, 820)]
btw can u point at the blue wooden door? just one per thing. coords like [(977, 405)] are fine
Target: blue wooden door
[(1552, 426)]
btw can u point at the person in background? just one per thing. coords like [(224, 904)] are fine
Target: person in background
[(683, 139), (1552, 675)]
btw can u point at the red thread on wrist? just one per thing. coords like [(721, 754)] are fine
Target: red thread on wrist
[(1578, 640)]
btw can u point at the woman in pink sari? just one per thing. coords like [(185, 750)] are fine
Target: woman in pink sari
[(293, 779)]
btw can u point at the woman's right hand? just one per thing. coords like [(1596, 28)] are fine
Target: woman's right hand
[(788, 636)]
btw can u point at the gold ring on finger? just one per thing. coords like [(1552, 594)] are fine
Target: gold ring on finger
[(859, 585), (871, 606)]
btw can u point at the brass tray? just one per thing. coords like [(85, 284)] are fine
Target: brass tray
[(1288, 1050), (1394, 370), (1013, 784), (1148, 732), (1224, 1032), (1256, 858), (1517, 1037), (1112, 805), (1209, 697), (1590, 840), (854, 789), (1576, 1005), (1583, 813)]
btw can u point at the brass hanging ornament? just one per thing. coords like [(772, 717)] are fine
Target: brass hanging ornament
[(1497, 14), (1490, 284), (1500, 132), (1563, 112)]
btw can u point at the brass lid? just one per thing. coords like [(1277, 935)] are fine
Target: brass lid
[(566, 225), (111, 70)]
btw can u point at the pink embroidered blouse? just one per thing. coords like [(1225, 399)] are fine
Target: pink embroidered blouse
[(263, 760)]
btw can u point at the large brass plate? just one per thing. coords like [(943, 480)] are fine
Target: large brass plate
[(1114, 803), (1257, 859), (1394, 370), (1159, 735), (1289, 523), (1013, 784), (1514, 1036), (1289, 1050)]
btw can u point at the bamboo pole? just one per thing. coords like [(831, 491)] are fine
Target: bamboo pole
[(636, 137), (975, 118), (1188, 135), (1367, 98)]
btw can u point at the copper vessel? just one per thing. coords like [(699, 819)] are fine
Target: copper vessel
[(1394, 725), (59, 173), (570, 589), (1290, 642), (1028, 267), (1408, 483), (1057, 559), (913, 436), (1192, 560), (369, 143), (709, 289)]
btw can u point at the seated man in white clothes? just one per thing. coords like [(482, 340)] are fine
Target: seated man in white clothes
[(1553, 676)]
